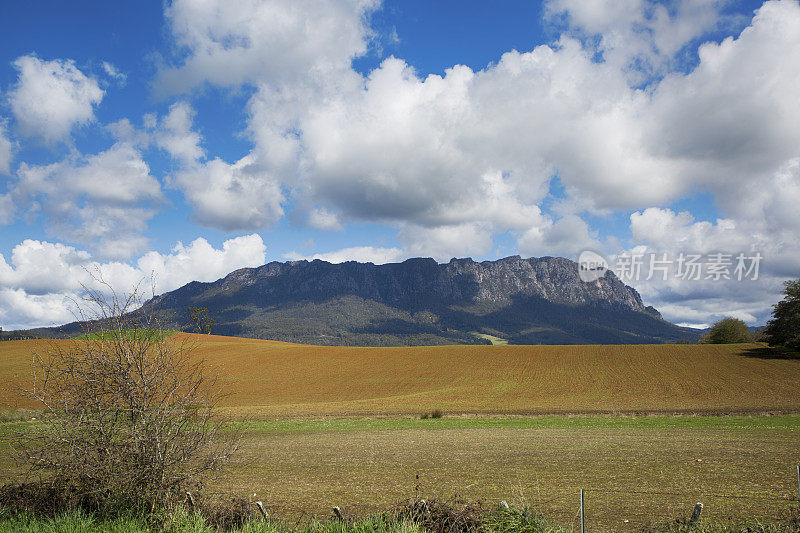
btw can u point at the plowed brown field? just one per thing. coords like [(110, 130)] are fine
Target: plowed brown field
[(274, 379)]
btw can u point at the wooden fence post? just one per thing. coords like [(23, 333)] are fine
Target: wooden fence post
[(698, 508), (260, 506), (190, 498), (338, 513)]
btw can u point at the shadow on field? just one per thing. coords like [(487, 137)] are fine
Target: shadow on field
[(766, 352)]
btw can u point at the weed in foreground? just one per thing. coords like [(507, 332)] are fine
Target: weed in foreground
[(787, 523), (460, 516), (182, 521), (410, 516)]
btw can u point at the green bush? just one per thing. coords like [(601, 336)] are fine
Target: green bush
[(729, 330)]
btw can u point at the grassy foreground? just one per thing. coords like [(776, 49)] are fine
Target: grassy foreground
[(181, 521), (635, 470), (268, 379), (499, 521)]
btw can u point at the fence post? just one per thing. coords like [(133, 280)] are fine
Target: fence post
[(698, 508), (798, 484), (583, 516)]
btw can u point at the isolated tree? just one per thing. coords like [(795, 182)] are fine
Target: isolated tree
[(128, 411), (200, 318), (729, 330), (784, 328)]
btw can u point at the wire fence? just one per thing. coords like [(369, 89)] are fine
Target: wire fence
[(603, 509), (757, 496), (633, 508)]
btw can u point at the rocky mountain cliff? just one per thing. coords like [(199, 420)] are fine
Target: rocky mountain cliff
[(418, 301)]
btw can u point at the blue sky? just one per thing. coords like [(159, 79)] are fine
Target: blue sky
[(355, 129)]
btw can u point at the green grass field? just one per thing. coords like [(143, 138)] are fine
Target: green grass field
[(496, 341), (127, 334)]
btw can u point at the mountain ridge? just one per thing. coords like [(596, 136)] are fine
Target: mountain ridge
[(420, 301)]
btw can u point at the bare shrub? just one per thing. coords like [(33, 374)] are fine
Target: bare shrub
[(38, 498), (128, 415), (229, 514), (460, 516), (435, 515)]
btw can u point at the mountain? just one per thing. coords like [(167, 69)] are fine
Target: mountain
[(422, 302)]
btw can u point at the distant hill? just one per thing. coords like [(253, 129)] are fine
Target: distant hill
[(421, 302)]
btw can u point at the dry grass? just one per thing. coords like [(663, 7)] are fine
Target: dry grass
[(739, 468), (274, 379), (739, 473)]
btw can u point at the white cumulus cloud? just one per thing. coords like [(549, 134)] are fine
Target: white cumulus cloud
[(51, 97), (237, 196), (245, 41), (363, 254), (638, 34), (104, 200), (43, 280), (176, 136), (445, 242), (667, 238), (200, 261), (566, 237), (243, 195)]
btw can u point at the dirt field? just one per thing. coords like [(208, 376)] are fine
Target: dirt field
[(270, 379)]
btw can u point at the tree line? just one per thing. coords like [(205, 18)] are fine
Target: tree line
[(782, 331)]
